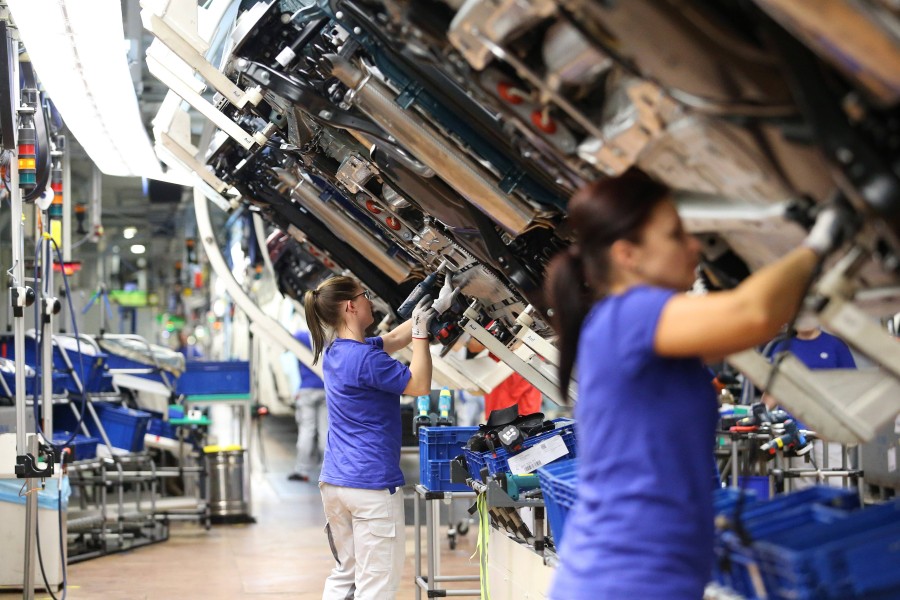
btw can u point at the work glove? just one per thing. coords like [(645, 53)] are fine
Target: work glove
[(834, 224), (446, 296), (421, 318)]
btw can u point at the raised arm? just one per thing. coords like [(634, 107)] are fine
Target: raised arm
[(720, 323), (420, 366), (397, 338)]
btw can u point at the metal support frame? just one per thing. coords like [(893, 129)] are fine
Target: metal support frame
[(189, 94), (433, 576), (24, 445), (542, 347), (176, 26), (843, 405), (261, 324), (539, 375)]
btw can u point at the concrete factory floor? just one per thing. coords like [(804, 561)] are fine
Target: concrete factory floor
[(285, 555)]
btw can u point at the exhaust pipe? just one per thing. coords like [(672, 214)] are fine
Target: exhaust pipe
[(307, 196), (462, 174)]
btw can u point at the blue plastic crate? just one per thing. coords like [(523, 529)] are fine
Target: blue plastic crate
[(725, 499), (95, 376), (437, 447), (475, 462), (856, 557), (33, 383), (125, 427), (207, 377), (738, 565), (559, 485), (436, 477), (82, 447), (161, 428), (498, 460)]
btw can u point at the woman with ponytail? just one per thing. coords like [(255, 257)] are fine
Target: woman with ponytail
[(361, 479), (643, 523)]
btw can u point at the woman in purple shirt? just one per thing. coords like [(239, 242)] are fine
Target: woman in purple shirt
[(361, 479), (643, 523)]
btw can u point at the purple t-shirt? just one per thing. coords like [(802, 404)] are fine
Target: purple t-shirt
[(643, 523), (362, 390), (823, 352), (308, 378)]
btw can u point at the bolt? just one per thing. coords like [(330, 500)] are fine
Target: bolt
[(844, 155), (339, 15), (357, 30), (406, 235)]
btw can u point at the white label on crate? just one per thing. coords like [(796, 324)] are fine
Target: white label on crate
[(892, 460), (538, 455)]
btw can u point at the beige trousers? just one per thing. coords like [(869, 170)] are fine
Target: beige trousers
[(367, 534)]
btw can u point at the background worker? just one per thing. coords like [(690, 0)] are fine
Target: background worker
[(311, 413), (817, 350), (515, 389), (643, 523), (361, 478)]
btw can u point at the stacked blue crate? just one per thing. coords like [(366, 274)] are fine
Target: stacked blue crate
[(559, 485), (738, 559), (208, 377), (497, 461), (125, 427), (82, 447), (438, 446)]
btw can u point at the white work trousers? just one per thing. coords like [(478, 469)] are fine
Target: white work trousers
[(312, 429), (367, 533)]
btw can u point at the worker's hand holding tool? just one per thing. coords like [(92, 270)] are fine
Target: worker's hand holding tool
[(422, 315), (834, 224), (446, 296)]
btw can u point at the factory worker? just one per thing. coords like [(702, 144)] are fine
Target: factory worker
[(643, 523), (360, 480)]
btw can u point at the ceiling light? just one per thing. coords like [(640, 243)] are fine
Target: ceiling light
[(69, 42), (129, 232), (138, 249)]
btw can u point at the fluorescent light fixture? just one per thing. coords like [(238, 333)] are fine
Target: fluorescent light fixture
[(129, 232), (72, 44), (138, 249)]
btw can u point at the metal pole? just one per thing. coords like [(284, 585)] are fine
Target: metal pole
[(429, 531), (66, 244), (435, 539), (17, 225), (417, 526), (45, 330)]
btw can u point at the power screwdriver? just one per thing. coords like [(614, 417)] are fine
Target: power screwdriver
[(424, 288), (792, 439)]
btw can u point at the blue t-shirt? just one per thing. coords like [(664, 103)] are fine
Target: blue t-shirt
[(308, 379), (362, 390), (823, 352), (643, 523)]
